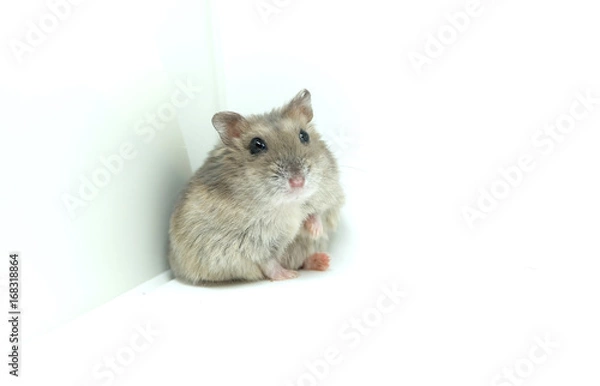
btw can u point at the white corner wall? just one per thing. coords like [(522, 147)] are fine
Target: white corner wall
[(95, 125)]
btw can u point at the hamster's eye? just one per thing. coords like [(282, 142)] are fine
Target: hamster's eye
[(257, 145), (304, 137)]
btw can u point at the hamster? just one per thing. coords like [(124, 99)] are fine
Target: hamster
[(264, 202)]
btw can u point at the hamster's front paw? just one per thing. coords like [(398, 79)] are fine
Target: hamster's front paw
[(314, 226), (317, 262)]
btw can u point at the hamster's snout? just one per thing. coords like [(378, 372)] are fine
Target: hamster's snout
[(293, 178), (297, 174), (297, 181)]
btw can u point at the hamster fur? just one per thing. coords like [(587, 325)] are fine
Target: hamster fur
[(263, 203)]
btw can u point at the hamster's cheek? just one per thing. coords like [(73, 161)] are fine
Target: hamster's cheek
[(277, 188), (312, 187)]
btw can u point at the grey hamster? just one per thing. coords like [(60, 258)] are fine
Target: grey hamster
[(264, 202)]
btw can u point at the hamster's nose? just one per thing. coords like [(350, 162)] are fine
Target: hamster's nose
[(297, 181)]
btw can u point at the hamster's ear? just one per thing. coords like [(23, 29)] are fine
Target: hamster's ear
[(300, 106), (229, 125)]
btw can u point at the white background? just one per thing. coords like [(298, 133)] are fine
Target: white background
[(416, 147)]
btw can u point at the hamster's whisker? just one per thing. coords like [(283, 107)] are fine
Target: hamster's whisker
[(353, 167)]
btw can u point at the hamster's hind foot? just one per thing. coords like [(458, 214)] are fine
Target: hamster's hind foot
[(317, 262), (314, 226), (274, 271), (283, 274)]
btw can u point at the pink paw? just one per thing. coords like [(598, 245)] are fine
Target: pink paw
[(317, 262), (284, 274), (314, 226), (274, 271)]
